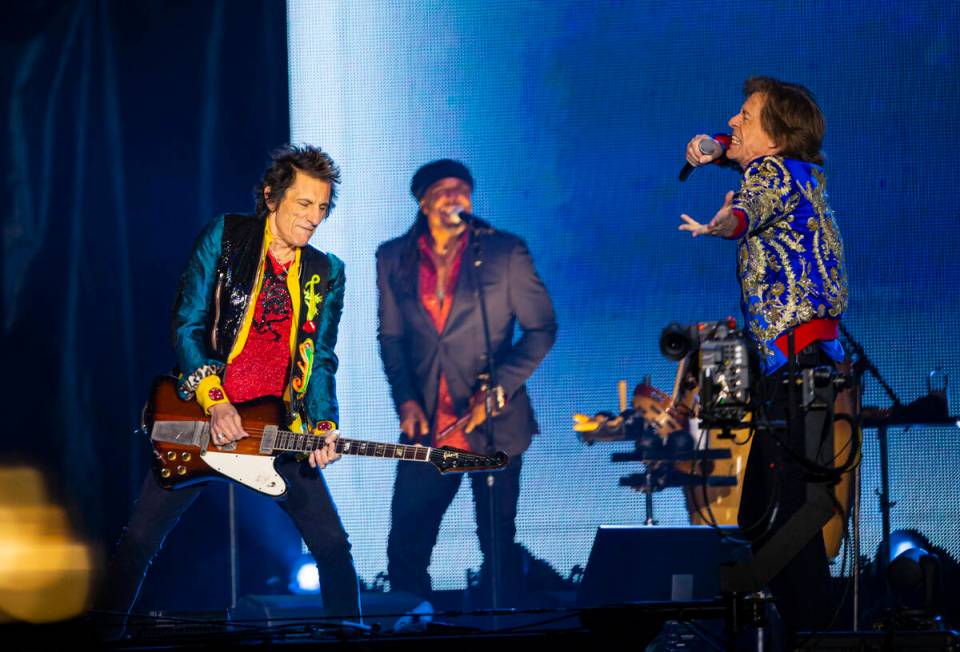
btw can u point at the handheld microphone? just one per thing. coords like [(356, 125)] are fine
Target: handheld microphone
[(707, 147)]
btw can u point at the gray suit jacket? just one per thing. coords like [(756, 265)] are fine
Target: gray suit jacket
[(414, 353)]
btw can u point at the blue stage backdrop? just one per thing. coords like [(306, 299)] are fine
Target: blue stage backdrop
[(573, 117)]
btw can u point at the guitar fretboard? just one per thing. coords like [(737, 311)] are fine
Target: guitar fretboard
[(304, 443)]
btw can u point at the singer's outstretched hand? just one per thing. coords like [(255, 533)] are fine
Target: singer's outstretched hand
[(724, 223)]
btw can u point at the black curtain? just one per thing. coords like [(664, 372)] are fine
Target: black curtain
[(126, 127)]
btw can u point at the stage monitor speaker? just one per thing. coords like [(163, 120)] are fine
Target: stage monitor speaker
[(654, 563), (277, 610)]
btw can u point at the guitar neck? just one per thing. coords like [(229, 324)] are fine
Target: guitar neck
[(296, 442), (459, 423), (445, 459)]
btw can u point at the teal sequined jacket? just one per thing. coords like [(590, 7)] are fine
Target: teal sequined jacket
[(216, 290)]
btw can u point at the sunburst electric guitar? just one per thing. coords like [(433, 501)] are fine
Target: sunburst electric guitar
[(185, 455)]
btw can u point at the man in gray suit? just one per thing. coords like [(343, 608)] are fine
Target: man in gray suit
[(432, 345)]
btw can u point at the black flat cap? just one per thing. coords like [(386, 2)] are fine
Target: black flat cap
[(432, 172)]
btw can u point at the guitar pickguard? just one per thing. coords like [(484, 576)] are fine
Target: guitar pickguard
[(254, 471)]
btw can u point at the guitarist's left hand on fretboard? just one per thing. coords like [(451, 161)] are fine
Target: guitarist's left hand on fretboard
[(327, 454)]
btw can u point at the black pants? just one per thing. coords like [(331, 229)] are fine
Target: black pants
[(420, 499), (775, 485), (308, 503)]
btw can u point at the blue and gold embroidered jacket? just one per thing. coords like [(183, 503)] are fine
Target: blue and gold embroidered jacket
[(790, 257), (214, 310)]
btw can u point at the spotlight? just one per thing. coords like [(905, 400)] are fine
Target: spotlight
[(304, 577), (913, 571)]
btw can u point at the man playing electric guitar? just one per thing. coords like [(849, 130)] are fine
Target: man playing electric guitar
[(257, 315), (432, 345)]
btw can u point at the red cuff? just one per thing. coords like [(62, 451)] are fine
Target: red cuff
[(724, 140), (741, 224)]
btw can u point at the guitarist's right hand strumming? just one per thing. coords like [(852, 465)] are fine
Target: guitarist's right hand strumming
[(225, 424), (479, 408), (414, 424)]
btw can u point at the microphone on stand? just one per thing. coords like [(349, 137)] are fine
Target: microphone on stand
[(460, 214)]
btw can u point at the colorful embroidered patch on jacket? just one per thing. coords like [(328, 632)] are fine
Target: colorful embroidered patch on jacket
[(311, 298), (305, 365)]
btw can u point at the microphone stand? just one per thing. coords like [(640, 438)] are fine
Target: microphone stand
[(494, 561), (861, 368)]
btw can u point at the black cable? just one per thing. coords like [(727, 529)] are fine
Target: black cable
[(141, 619), (711, 519), (773, 506), (518, 628), (751, 431), (302, 625), (821, 472), (769, 516), (818, 472)]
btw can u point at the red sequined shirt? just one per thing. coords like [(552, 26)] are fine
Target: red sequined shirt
[(260, 369)]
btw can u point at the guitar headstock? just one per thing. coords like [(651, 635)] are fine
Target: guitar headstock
[(455, 460)]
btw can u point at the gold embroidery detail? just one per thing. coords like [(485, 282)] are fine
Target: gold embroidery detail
[(790, 249), (765, 193), (827, 249)]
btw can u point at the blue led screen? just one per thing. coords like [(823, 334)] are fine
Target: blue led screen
[(573, 117)]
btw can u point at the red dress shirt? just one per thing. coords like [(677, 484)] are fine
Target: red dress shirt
[(438, 305)]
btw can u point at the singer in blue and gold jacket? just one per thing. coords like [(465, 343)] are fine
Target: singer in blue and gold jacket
[(790, 255), (793, 292)]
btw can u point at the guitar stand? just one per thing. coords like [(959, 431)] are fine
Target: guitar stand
[(654, 479), (648, 495)]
